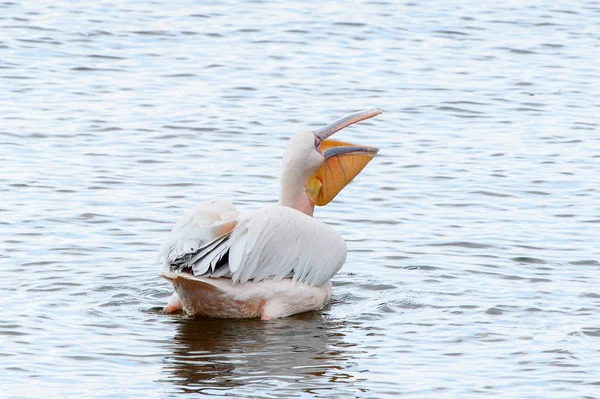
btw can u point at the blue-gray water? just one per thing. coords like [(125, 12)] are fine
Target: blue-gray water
[(474, 251)]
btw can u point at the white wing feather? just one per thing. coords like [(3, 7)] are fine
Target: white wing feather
[(276, 242)]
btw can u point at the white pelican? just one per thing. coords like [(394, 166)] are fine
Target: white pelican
[(276, 261)]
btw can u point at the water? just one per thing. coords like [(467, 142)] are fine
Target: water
[(473, 237)]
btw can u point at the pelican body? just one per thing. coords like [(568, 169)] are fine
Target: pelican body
[(275, 261)]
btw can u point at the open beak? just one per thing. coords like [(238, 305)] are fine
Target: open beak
[(343, 161)]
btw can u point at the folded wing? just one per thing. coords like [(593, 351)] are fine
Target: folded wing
[(271, 243)]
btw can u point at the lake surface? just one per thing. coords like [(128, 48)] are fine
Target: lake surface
[(474, 245)]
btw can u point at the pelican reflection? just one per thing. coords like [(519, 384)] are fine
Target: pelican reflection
[(250, 355)]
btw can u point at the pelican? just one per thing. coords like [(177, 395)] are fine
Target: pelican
[(275, 261)]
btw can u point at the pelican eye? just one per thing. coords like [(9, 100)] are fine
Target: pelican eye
[(318, 143)]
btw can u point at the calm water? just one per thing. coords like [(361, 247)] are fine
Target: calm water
[(474, 251)]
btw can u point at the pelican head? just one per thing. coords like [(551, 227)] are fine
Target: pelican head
[(316, 168)]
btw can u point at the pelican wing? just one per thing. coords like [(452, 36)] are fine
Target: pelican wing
[(198, 233), (271, 243), (278, 242)]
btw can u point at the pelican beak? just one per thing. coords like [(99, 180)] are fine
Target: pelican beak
[(343, 161)]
